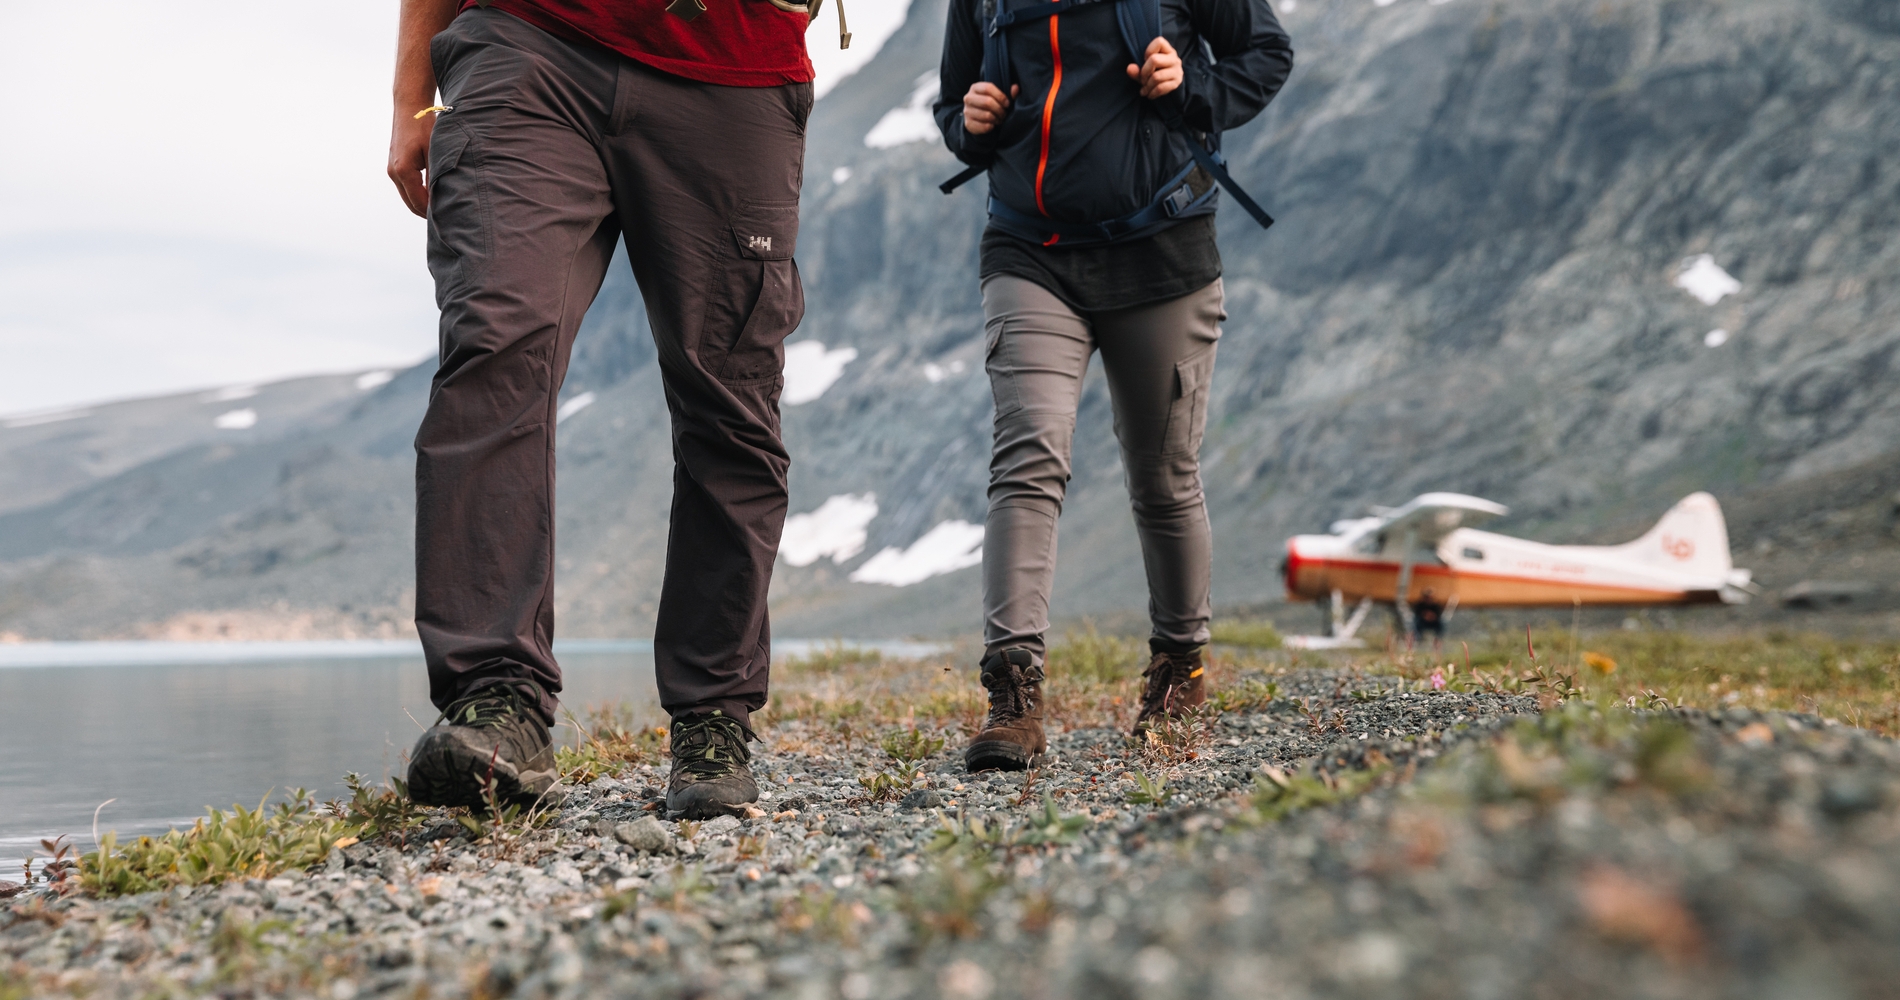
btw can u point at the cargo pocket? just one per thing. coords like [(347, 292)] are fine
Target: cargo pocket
[(1003, 388), (762, 299), (1187, 413), (459, 231)]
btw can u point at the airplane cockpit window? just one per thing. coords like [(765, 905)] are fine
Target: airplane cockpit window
[(1473, 553), (1370, 543)]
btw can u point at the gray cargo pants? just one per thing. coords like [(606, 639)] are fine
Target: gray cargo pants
[(551, 152), (1158, 359)]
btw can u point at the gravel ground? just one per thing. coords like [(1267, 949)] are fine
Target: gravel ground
[(1411, 843)]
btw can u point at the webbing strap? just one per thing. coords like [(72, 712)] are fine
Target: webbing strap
[(1216, 167), (1177, 198), (1035, 11), (964, 176)]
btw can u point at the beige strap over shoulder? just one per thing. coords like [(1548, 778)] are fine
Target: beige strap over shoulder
[(810, 10)]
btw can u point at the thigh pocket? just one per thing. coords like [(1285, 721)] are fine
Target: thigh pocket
[(1003, 388), (1187, 412), (459, 227), (760, 300)]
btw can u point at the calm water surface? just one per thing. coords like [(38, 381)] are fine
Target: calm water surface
[(165, 729)]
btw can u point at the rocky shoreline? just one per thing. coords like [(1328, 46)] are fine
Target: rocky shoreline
[(1342, 836)]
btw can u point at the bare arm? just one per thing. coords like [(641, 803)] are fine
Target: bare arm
[(420, 20)]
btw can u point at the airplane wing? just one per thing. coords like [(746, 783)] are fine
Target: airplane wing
[(1434, 515)]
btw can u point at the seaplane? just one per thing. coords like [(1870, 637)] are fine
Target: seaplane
[(1430, 552)]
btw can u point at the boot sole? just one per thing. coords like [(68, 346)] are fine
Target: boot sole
[(698, 802), (996, 755)]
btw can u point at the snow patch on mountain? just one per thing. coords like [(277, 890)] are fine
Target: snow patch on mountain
[(946, 548), (835, 529), (810, 370)]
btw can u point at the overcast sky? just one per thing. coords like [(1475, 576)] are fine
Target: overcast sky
[(192, 194)]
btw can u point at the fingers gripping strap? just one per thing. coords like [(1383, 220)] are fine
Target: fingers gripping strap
[(995, 71), (1141, 25)]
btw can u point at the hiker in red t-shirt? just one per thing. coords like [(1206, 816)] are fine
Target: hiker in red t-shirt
[(562, 126)]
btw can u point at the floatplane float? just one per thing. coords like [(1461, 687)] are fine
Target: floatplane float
[(1428, 549)]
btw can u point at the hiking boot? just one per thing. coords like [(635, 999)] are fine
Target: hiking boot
[(711, 773), (1012, 734), (493, 734), (1171, 688)]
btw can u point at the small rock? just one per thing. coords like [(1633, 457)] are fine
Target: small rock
[(719, 826), (922, 798), (389, 862), (1846, 794), (645, 834)]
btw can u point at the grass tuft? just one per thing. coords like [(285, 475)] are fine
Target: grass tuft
[(1249, 634), (244, 843), (1278, 794), (830, 658), (1854, 682), (609, 743), (374, 812), (1090, 659)]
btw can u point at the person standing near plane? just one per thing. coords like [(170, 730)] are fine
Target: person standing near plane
[(561, 126), (1428, 615), (1094, 120)]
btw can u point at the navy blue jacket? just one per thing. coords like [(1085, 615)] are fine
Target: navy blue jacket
[(1099, 150)]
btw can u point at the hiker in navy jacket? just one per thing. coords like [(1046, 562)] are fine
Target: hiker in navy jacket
[(1100, 138)]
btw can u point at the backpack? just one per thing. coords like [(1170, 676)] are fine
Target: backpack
[(1140, 22)]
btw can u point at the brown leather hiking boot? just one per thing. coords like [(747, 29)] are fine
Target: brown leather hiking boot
[(1012, 734), (1171, 687), (712, 769), (493, 736)]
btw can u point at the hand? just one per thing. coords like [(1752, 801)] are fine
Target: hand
[(418, 22), (409, 158), (984, 106), (1159, 74)]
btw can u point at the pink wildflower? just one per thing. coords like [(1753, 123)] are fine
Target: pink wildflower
[(1438, 680)]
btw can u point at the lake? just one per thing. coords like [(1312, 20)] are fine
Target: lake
[(164, 729)]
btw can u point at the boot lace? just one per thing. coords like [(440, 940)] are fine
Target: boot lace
[(1010, 676), (489, 707), (708, 746), (1163, 677)]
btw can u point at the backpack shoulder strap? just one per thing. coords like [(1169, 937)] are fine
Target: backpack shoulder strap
[(989, 20), (1141, 24)]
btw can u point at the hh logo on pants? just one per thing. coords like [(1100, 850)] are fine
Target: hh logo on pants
[(758, 243)]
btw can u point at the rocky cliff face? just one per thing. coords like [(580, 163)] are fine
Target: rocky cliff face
[(1488, 216)]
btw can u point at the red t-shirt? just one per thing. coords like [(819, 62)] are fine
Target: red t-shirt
[(734, 43)]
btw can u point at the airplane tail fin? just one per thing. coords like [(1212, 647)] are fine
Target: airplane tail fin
[(1691, 539)]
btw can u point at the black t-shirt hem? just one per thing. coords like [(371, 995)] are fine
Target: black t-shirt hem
[(1178, 260)]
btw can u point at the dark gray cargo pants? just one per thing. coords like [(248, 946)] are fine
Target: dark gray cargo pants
[(1159, 359), (551, 153)]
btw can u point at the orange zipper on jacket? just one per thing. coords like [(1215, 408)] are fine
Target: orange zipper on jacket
[(1048, 115)]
